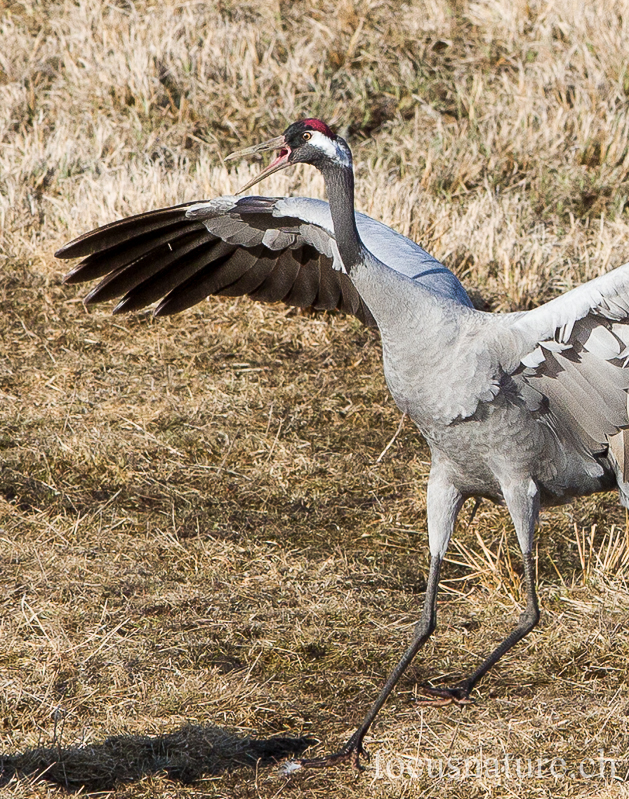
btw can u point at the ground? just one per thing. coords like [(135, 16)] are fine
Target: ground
[(209, 558)]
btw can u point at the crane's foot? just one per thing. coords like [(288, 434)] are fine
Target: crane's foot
[(351, 753), (437, 697)]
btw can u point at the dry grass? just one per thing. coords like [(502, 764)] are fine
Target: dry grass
[(202, 560)]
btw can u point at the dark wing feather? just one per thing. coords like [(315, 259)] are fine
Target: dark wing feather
[(280, 280), (166, 255), (259, 268), (109, 260), (212, 254), (329, 293), (142, 270), (212, 278), (306, 286), (122, 231)]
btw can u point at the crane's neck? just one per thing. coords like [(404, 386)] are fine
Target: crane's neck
[(404, 310), (339, 183), (401, 307)]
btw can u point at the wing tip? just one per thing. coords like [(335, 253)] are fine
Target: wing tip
[(73, 249)]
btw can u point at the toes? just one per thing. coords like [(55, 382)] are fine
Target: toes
[(463, 700), (439, 697), (352, 752), (435, 701)]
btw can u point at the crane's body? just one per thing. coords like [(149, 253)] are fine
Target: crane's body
[(522, 408), (486, 438)]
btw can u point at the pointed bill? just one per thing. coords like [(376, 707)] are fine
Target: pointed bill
[(281, 162)]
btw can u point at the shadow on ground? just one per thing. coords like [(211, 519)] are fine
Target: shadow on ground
[(185, 755)]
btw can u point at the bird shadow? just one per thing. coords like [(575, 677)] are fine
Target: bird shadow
[(185, 755)]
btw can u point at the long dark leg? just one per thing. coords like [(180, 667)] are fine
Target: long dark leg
[(444, 503), (353, 749), (461, 692), (523, 503)]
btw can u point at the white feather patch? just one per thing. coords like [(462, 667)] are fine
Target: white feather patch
[(602, 343), (566, 331), (554, 346), (622, 331), (332, 149), (219, 205), (533, 359)]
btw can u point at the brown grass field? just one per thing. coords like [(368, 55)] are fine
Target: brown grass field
[(204, 561)]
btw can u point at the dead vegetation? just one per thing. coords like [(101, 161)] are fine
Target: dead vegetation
[(203, 563)]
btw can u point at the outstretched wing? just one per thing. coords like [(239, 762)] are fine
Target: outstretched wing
[(181, 255), (272, 249), (576, 356)]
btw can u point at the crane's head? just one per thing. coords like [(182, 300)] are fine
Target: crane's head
[(309, 141)]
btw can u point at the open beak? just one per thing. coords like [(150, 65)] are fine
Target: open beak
[(281, 162)]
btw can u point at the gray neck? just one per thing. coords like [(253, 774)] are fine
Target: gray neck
[(339, 183), (398, 304)]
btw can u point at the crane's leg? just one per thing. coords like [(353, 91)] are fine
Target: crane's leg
[(522, 500), (444, 502)]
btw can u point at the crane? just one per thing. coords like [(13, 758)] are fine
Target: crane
[(525, 409)]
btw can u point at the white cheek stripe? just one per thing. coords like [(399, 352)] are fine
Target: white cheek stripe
[(334, 153)]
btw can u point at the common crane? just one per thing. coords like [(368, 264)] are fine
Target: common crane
[(525, 409)]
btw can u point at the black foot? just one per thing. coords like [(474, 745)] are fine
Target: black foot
[(436, 697), (350, 753)]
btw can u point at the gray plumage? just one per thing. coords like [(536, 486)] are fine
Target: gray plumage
[(522, 408)]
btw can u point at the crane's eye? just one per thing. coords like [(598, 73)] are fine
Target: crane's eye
[(306, 136)]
